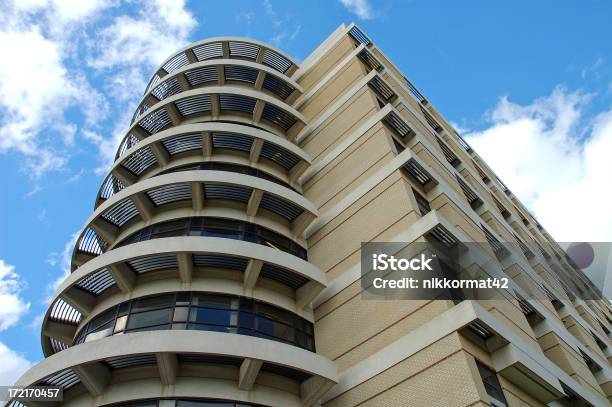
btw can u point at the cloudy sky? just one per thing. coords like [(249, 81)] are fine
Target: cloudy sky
[(528, 83)]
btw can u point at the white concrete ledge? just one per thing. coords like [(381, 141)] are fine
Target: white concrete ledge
[(226, 39), (183, 342)]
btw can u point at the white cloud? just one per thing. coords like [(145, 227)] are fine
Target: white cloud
[(62, 259), (554, 162), (36, 89), (12, 306), (12, 365), (127, 51), (361, 8)]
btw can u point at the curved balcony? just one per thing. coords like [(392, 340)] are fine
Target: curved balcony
[(200, 311), (203, 141), (236, 48), (227, 103), (150, 199), (234, 362), (221, 72), (187, 259)]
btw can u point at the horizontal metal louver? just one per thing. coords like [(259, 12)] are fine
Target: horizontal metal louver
[(526, 308), (240, 73), (443, 235), (63, 312), (398, 125), (121, 213), (464, 144), (57, 346), (154, 81), (232, 141), (208, 51), (450, 156), (482, 174), (129, 141), (140, 110), (176, 62), (275, 60), (203, 75), (155, 121), (422, 203), (384, 90), (209, 359), (223, 191), (526, 251), (91, 243), (415, 92), (277, 86), (110, 187), (96, 283), (284, 276), (470, 195), (495, 244), (217, 261), (279, 117), (243, 50), (433, 123), (419, 173), (127, 361), (279, 155), (152, 263), (140, 161), (237, 103), (167, 88), (170, 193), (64, 379), (194, 104), (359, 36), (283, 208), (180, 144), (502, 209), (480, 330), (369, 59)]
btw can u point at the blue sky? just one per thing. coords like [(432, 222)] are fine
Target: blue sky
[(73, 70)]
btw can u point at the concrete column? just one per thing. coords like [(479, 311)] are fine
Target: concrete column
[(185, 266), (60, 331), (254, 201), (167, 363), (197, 196), (256, 150), (143, 204), (249, 369), (259, 106), (313, 389), (161, 154), (251, 273), (124, 277), (94, 376), (79, 299)]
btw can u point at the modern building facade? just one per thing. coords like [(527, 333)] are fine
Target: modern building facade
[(221, 264)]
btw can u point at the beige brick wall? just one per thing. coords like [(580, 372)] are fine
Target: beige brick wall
[(438, 375)]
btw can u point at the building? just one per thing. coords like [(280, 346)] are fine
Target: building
[(221, 262)]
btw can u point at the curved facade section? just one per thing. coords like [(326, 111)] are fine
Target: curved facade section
[(226, 357), (206, 142), (192, 271)]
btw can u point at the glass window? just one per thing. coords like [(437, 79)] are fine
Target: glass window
[(120, 323), (211, 316), (201, 311), (149, 318), (491, 383), (180, 314), (153, 302)]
